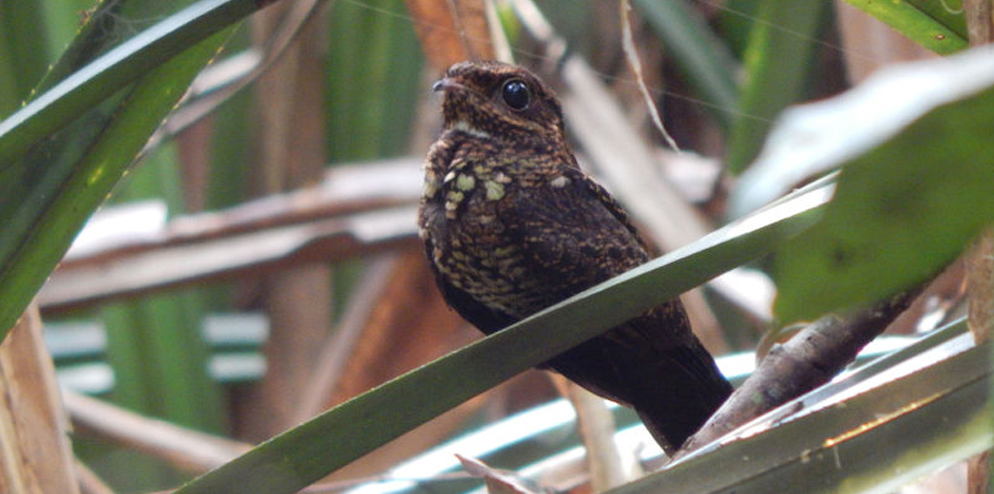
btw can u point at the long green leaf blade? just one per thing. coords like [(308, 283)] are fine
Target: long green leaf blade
[(108, 74), (307, 453), (46, 197), (938, 26), (53, 211)]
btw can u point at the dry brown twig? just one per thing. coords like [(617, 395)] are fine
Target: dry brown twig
[(189, 450), (595, 422), (355, 210), (89, 482), (980, 288)]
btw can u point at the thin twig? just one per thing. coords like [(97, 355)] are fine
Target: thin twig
[(631, 53), (263, 235), (90, 482), (189, 450), (216, 84)]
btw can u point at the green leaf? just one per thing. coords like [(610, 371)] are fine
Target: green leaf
[(307, 453), (48, 212), (106, 75), (902, 211), (23, 53), (938, 26), (47, 195), (778, 59), (373, 81)]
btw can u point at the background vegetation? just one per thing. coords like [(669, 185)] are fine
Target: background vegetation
[(255, 261)]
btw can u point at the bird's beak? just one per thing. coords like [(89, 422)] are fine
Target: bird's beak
[(446, 84)]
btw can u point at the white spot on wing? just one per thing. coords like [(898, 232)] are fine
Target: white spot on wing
[(559, 182)]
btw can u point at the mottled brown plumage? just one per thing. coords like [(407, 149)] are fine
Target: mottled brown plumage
[(511, 226)]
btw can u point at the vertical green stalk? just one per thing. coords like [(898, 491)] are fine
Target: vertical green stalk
[(777, 62), (24, 53), (155, 347), (374, 69), (372, 91)]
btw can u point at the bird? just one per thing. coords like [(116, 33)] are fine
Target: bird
[(511, 225)]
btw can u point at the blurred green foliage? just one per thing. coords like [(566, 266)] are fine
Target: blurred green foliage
[(899, 207)]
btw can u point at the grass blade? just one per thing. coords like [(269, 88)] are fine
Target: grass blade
[(106, 75), (46, 197), (307, 453)]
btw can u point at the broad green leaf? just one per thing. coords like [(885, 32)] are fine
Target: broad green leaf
[(307, 453), (938, 26), (902, 210), (813, 139)]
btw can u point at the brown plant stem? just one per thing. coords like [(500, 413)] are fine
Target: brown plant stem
[(186, 449), (980, 283), (596, 425), (35, 452), (980, 317), (291, 149)]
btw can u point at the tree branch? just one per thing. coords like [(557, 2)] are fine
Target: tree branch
[(809, 359)]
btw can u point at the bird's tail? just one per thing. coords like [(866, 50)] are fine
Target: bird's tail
[(673, 389), (679, 393)]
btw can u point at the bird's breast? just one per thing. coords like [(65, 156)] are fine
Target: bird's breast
[(466, 224)]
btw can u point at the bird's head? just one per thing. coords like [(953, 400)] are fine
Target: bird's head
[(497, 100)]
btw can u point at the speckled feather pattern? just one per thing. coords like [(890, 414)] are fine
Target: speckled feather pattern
[(511, 225)]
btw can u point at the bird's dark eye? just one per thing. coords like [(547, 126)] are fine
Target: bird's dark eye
[(516, 94)]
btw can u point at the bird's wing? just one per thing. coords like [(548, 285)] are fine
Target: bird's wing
[(573, 233), (578, 236)]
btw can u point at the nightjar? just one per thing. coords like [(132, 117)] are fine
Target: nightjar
[(511, 225)]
